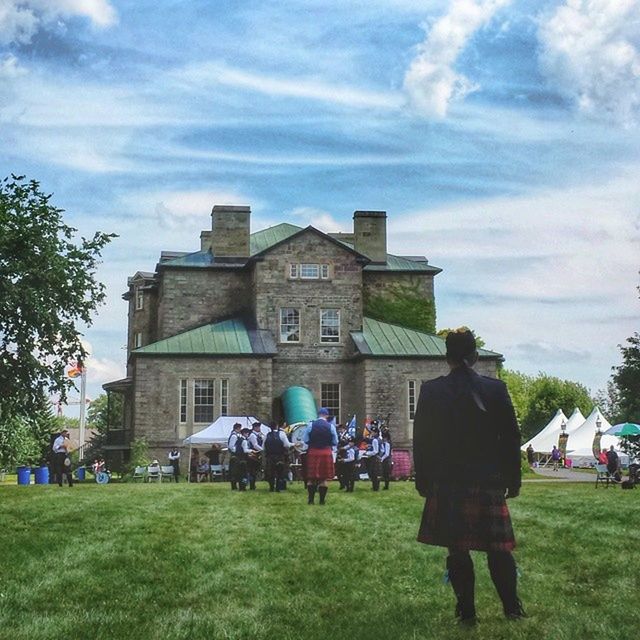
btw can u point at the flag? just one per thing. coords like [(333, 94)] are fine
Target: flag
[(351, 427), (76, 369)]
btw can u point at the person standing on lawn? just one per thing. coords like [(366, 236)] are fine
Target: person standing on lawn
[(254, 462), (466, 446), (233, 460), (385, 458), (372, 456), (61, 461), (555, 457), (174, 460), (320, 437), (276, 445)]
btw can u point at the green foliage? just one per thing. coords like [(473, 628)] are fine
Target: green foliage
[(103, 413), (139, 457), (26, 439), (626, 379), (537, 398), (47, 286), (631, 446), (403, 305), (443, 333)]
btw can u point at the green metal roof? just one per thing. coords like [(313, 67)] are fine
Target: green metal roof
[(229, 337), (383, 339), (261, 240), (398, 263)]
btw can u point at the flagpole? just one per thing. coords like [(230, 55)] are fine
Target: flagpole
[(83, 409)]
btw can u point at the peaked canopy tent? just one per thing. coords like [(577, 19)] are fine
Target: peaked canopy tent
[(218, 432), (576, 419), (580, 443), (543, 442)]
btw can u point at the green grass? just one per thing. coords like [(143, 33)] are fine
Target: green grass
[(198, 561)]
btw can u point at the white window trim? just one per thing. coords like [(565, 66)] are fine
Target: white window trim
[(280, 335), (324, 271), (186, 401), (139, 299), (213, 402), (415, 398), (294, 271), (338, 421), (309, 264), (224, 382), (325, 341), (137, 339)]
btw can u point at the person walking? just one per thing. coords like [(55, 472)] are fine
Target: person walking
[(466, 446), (61, 461), (555, 457), (320, 437)]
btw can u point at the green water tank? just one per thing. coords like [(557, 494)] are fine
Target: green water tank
[(298, 405)]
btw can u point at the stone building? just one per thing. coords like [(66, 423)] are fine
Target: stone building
[(227, 329)]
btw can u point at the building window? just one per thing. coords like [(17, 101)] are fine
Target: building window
[(412, 399), (307, 271), (224, 397), (330, 398), (137, 340), (203, 401), (139, 299), (289, 325), (183, 401), (329, 325)]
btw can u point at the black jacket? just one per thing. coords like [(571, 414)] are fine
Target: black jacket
[(456, 442)]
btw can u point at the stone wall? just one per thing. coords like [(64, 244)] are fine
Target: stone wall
[(157, 393), (386, 388), (274, 289), (190, 298)]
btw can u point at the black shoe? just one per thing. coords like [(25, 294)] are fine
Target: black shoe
[(515, 613)]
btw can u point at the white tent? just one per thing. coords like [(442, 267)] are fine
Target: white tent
[(582, 437), (576, 419), (218, 432), (544, 441)]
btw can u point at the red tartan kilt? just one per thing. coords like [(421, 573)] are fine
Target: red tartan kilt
[(319, 464), (465, 518)]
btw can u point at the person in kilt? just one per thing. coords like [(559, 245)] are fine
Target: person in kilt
[(466, 447), (320, 438)]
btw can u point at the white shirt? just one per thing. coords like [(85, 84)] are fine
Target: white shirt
[(375, 449), (231, 443), (174, 456), (253, 441), (385, 450), (59, 445)]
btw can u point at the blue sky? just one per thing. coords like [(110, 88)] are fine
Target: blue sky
[(500, 136)]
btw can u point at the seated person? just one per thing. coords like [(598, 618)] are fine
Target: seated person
[(203, 470)]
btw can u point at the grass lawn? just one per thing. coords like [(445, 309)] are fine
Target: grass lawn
[(200, 562)]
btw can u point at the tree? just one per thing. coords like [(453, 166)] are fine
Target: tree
[(443, 333), (537, 398), (402, 304), (626, 379), (47, 286), (103, 414)]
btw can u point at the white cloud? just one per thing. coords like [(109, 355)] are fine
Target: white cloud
[(318, 218), (590, 53), (21, 19), (431, 81), (209, 74), (10, 68)]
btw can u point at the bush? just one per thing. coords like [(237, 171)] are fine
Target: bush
[(139, 458)]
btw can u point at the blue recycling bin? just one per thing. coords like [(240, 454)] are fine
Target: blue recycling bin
[(80, 473), (24, 475), (41, 475)]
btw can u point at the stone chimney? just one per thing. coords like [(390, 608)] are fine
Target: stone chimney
[(370, 230), (230, 230)]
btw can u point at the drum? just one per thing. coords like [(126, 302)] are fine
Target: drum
[(102, 477), (296, 433)]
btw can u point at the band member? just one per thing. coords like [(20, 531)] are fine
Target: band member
[(372, 455), (466, 485), (174, 460), (276, 445), (320, 437), (385, 458), (254, 461), (233, 460), (349, 464), (242, 451), (343, 443), (61, 461)]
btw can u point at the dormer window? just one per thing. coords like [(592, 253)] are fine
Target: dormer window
[(139, 298), (308, 271)]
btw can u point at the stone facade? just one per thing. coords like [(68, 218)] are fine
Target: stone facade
[(225, 280)]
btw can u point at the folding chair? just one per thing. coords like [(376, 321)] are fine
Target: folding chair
[(139, 473), (603, 475), (153, 473), (166, 471)]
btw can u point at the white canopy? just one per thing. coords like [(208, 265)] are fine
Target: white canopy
[(576, 419), (544, 441), (584, 458), (218, 431), (582, 437)]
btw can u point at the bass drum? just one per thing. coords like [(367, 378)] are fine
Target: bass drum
[(102, 477), (296, 433)]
